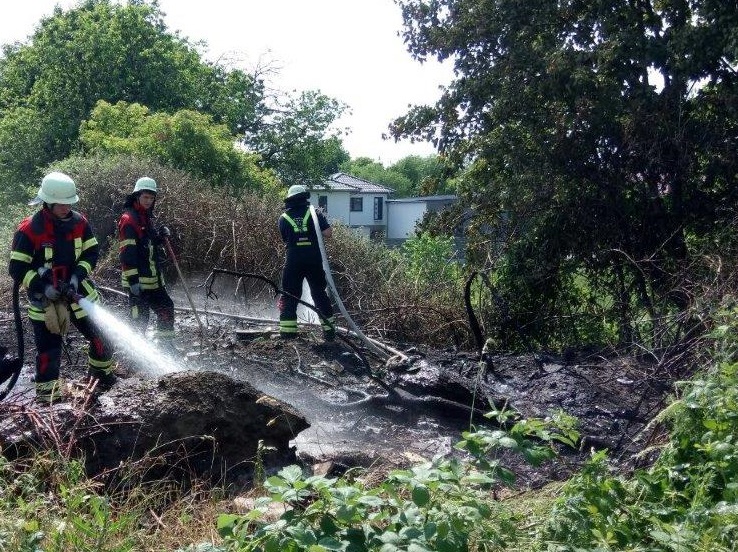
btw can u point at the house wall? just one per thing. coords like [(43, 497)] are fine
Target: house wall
[(402, 217), (339, 208), (338, 205)]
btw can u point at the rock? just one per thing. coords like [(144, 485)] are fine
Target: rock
[(189, 423)]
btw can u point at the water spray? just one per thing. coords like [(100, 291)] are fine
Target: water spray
[(142, 353), (137, 348)]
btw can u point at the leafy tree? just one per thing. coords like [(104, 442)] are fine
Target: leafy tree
[(21, 138), (410, 176), (373, 171), (596, 136), (102, 50), (427, 174), (186, 140), (294, 138)]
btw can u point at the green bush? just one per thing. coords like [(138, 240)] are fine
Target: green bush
[(688, 500)]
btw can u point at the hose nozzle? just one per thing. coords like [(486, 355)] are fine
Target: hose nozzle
[(69, 293)]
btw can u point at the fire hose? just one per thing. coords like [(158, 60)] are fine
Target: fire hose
[(173, 257), (332, 286), (10, 369)]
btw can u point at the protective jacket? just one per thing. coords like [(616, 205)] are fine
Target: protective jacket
[(140, 264), (66, 246), (139, 255), (298, 231)]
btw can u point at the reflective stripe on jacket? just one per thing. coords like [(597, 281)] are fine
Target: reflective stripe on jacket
[(139, 257)]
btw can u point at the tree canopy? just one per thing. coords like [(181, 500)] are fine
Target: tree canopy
[(186, 140), (104, 51), (410, 176), (599, 135)]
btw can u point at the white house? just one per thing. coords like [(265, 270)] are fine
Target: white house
[(403, 215), (355, 202)]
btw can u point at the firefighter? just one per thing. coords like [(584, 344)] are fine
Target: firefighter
[(53, 254), (303, 261), (140, 262)]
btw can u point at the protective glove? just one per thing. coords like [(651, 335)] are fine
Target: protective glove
[(51, 292), (164, 232), (74, 283), (136, 289), (44, 273)]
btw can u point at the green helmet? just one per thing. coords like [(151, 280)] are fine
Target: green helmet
[(56, 187), (297, 189), (145, 183)]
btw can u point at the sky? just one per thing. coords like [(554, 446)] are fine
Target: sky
[(348, 49)]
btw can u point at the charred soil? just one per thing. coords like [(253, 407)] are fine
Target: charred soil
[(370, 412)]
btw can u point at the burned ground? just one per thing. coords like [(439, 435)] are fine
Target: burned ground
[(364, 410)]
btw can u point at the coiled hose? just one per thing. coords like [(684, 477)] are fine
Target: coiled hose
[(17, 363)]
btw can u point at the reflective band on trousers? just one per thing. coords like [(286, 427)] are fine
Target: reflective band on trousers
[(48, 390), (288, 326)]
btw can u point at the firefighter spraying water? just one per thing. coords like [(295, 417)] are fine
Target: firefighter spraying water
[(53, 254)]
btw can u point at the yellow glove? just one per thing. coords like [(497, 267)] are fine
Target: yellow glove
[(56, 317)]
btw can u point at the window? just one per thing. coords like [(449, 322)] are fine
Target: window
[(323, 203), (357, 204), (378, 208)]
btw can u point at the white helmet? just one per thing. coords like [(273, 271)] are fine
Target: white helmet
[(297, 189), (56, 187), (145, 183)]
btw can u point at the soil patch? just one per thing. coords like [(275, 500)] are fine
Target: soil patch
[(365, 411)]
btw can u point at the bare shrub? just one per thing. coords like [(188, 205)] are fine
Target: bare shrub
[(372, 282), (211, 228)]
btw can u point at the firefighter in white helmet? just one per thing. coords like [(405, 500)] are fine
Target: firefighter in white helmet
[(140, 260), (53, 254), (303, 262)]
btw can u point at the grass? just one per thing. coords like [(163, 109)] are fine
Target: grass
[(47, 503)]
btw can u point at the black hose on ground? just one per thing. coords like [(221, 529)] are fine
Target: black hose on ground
[(10, 368)]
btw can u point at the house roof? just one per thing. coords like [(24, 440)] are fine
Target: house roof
[(342, 182), (424, 199)]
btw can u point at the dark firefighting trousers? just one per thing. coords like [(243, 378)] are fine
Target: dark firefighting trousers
[(159, 301), (49, 349), (294, 272)]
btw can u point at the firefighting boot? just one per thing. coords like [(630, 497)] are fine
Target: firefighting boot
[(105, 378)]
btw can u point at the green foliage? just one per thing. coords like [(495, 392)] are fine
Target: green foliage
[(430, 507), (49, 505), (590, 141), (120, 52), (373, 171), (296, 138), (430, 260), (441, 505), (186, 140), (123, 52), (411, 176), (21, 139), (530, 437), (686, 501)]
